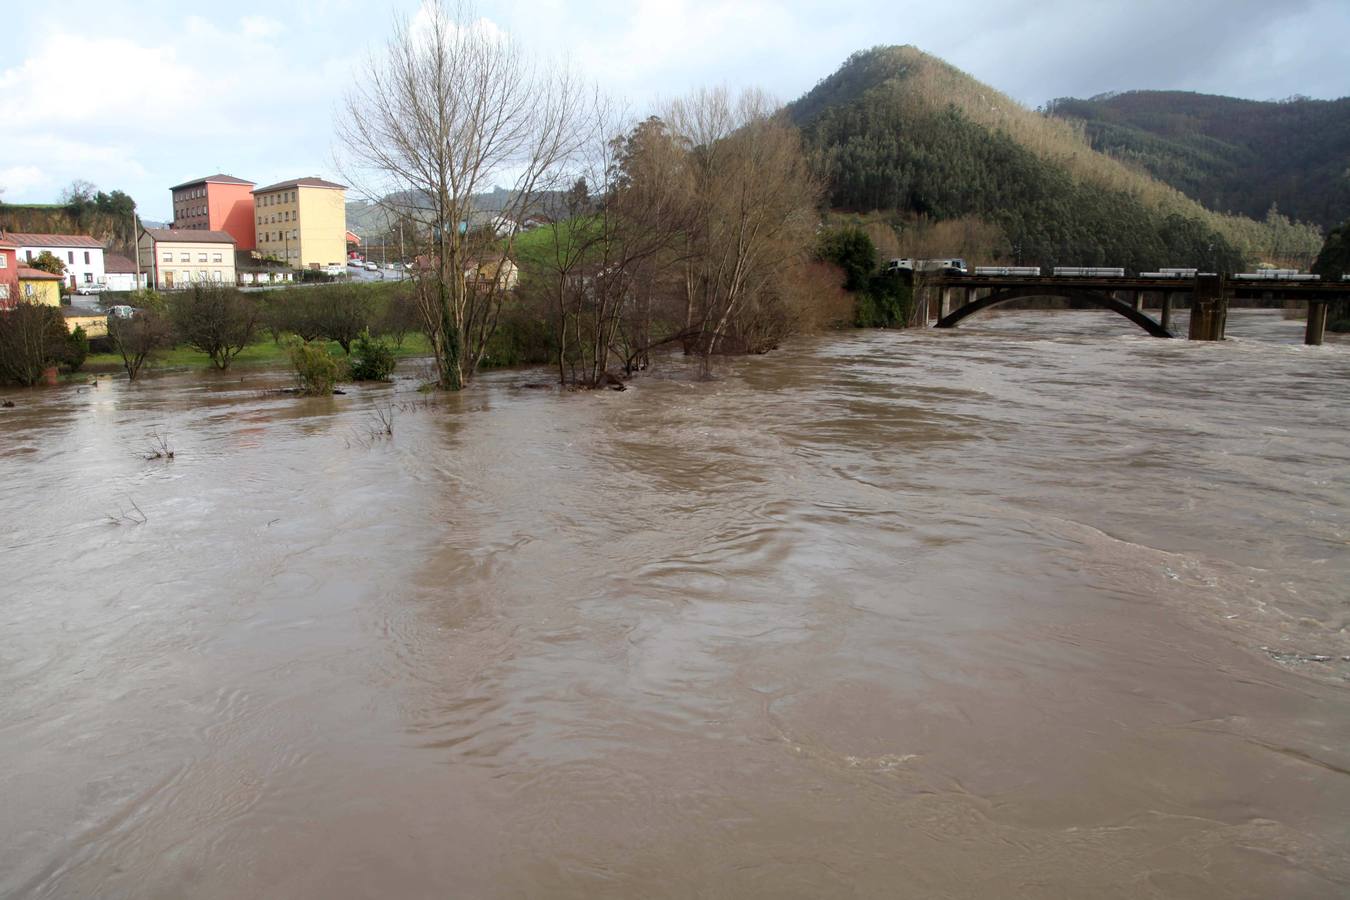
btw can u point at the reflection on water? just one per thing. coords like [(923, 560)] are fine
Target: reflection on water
[(1038, 607)]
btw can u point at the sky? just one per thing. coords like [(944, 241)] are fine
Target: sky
[(139, 96)]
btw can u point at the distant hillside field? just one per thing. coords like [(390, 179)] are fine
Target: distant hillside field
[(902, 133), (1233, 155)]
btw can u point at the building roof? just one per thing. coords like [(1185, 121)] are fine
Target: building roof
[(38, 275), (188, 236), (117, 264), (311, 181), (28, 239), (214, 179)]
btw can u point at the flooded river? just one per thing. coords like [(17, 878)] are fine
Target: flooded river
[(1041, 607)]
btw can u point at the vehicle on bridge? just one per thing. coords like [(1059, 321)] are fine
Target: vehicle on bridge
[(1170, 273), (1277, 275), (1032, 271), (945, 266), (1088, 272)]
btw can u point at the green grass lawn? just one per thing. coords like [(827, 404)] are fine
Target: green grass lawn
[(263, 353)]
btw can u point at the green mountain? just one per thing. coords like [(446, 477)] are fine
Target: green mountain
[(1241, 156), (898, 131)]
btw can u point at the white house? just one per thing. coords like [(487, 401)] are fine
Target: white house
[(82, 255), (122, 274)]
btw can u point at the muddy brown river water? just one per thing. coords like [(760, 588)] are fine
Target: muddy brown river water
[(1041, 607)]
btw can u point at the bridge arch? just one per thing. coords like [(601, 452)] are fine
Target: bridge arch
[(1094, 298)]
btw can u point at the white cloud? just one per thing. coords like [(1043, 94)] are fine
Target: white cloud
[(260, 27), (22, 178)]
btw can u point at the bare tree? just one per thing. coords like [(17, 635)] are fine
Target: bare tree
[(219, 321), (755, 209), (624, 218), (138, 338), (450, 110)]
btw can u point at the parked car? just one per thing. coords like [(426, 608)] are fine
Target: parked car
[(334, 270), (93, 288), (122, 312), (372, 267), (356, 263)]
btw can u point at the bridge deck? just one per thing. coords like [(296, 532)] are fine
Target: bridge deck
[(1303, 290)]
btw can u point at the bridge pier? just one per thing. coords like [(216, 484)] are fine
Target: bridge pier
[(1139, 301), (944, 303), (1209, 309), (1166, 317), (1317, 323)]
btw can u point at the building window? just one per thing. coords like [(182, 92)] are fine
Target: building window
[(185, 257), (185, 276), (168, 257), (30, 255), (70, 256), (28, 290), (216, 257), (215, 276), (4, 261), (4, 292), (201, 257), (86, 257), (88, 277), (203, 274)]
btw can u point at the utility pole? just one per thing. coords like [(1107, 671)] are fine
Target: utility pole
[(136, 246)]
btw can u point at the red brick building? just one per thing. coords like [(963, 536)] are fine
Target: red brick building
[(216, 203)]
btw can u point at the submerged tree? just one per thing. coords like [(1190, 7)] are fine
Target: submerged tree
[(33, 338), (139, 338), (755, 209), (450, 110)]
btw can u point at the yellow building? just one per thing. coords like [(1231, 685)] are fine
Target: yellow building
[(38, 286), (94, 323), (302, 222), (178, 258)]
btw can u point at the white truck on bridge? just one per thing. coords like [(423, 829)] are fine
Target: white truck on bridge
[(951, 266)]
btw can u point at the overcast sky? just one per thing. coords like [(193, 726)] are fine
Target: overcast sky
[(147, 94)]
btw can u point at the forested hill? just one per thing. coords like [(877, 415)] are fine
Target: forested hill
[(1232, 155), (899, 131)]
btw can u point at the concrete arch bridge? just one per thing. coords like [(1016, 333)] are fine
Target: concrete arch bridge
[(953, 298)]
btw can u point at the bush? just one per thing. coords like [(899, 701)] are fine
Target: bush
[(851, 250), (892, 301), (77, 349), (315, 366), (400, 315), (334, 312), (372, 360), (33, 338)]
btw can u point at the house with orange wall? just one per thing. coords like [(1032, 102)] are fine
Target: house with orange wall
[(216, 203)]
